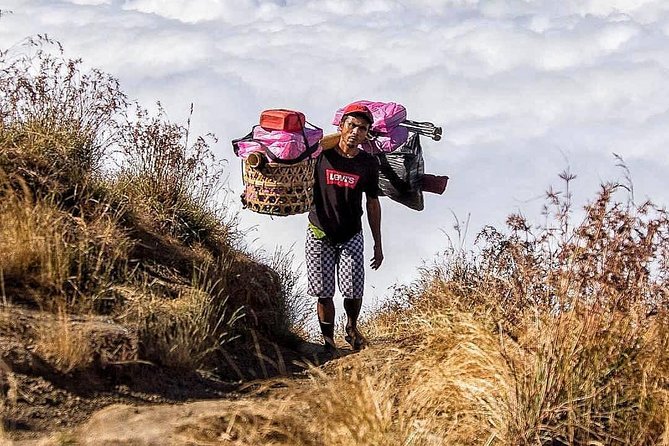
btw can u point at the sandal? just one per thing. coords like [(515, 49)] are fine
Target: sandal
[(354, 338), (330, 348)]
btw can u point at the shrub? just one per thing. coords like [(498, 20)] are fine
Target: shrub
[(177, 182), (57, 123), (185, 332), (554, 334), (72, 261), (64, 345)]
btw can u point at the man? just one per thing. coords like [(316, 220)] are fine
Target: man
[(334, 237)]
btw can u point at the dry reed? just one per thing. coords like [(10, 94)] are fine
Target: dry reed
[(550, 335), (64, 345)]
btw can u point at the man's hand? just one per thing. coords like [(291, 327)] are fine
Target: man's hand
[(378, 257)]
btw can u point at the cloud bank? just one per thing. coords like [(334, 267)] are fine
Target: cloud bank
[(522, 89)]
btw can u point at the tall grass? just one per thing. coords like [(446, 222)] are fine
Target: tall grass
[(107, 208), (296, 307), (64, 345), (186, 331), (554, 334), (8, 395), (47, 249), (58, 122), (178, 181)]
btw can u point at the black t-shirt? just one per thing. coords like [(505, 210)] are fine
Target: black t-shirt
[(340, 182)]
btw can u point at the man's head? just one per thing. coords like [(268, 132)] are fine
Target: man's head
[(355, 124), (358, 110)]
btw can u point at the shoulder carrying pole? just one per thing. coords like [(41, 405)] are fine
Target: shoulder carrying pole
[(423, 128)]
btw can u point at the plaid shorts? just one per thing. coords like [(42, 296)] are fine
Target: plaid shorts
[(345, 259)]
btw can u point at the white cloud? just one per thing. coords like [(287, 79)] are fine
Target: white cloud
[(521, 87), (91, 2)]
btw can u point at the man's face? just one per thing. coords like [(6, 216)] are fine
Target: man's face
[(353, 130)]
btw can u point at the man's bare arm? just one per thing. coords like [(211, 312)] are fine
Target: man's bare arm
[(374, 218)]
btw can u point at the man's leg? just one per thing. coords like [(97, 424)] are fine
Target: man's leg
[(321, 261), (352, 307), (352, 285), (326, 318)]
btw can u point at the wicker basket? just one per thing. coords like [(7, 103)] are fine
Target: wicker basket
[(279, 189)]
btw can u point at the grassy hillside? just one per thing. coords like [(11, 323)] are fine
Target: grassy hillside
[(555, 335), (552, 335), (114, 253), (113, 214)]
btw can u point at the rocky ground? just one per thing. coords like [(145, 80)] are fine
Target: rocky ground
[(111, 401)]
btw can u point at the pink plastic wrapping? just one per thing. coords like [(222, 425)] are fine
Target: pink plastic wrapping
[(285, 145), (387, 115)]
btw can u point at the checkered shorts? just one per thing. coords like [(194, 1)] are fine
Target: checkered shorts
[(346, 259)]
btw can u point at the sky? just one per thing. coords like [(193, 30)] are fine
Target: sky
[(523, 90)]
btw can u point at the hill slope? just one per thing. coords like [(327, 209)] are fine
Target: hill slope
[(124, 285), (120, 263)]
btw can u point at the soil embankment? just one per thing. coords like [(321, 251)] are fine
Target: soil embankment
[(116, 399)]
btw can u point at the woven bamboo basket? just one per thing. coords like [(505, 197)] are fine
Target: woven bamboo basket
[(279, 189)]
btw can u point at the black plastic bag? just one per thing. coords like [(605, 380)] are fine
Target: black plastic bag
[(401, 172)]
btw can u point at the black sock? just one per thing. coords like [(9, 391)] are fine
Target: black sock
[(327, 329)]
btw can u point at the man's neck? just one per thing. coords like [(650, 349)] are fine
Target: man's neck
[(346, 151)]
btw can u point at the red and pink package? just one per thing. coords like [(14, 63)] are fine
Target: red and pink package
[(387, 118), (284, 146)]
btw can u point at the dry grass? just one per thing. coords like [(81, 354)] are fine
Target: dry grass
[(76, 231), (175, 181), (71, 260), (32, 241), (64, 345), (186, 331), (555, 335), (451, 378), (8, 394), (296, 305)]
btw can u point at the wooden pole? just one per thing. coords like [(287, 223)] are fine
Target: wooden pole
[(256, 160), (330, 141)]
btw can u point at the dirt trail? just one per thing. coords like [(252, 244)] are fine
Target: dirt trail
[(171, 424), (147, 405)]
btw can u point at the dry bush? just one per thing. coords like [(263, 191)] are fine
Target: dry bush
[(565, 330), (187, 331), (98, 197), (59, 126), (73, 261), (344, 409), (554, 335), (295, 307), (64, 345), (56, 122), (616, 258), (8, 395), (587, 376), (174, 180), (449, 377), (32, 241)]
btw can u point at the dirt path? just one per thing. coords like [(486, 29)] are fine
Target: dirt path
[(140, 404)]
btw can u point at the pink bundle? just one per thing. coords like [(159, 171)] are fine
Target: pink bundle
[(387, 119), (386, 142), (286, 146)]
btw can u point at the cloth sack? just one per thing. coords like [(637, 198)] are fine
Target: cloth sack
[(401, 173), (387, 115), (386, 130), (280, 146)]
